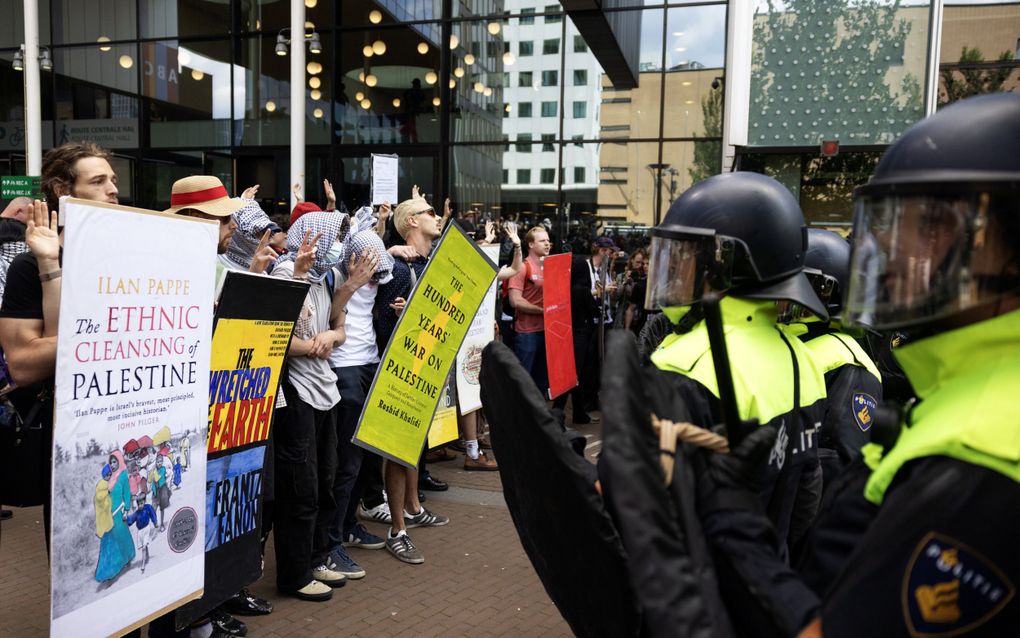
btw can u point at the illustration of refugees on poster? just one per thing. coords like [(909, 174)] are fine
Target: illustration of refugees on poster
[(133, 353)]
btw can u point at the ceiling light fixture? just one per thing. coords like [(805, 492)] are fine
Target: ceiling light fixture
[(315, 94), (197, 75), (375, 16), (431, 77), (469, 59), (459, 72), (509, 59), (379, 47), (494, 28), (423, 48), (270, 106), (371, 80), (103, 38)]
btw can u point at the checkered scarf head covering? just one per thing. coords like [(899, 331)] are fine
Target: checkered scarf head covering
[(361, 241), (334, 227), (252, 222)]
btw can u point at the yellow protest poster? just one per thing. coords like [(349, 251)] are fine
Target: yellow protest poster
[(409, 383)]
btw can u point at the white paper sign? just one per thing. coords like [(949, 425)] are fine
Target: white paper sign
[(481, 332), (384, 179), (132, 388)]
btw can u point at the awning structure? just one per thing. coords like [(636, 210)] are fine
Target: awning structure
[(613, 36)]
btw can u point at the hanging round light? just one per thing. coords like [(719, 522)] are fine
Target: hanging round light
[(375, 16), (314, 83), (311, 3), (423, 48), (479, 87), (371, 80), (317, 113), (459, 72), (487, 92), (361, 76), (315, 94), (396, 102), (454, 41), (431, 77), (127, 61), (435, 101), (453, 83), (270, 106), (197, 75), (494, 28), (508, 58), (359, 96), (309, 25), (103, 38), (313, 68), (469, 59), (367, 51), (366, 104), (507, 108), (379, 47)]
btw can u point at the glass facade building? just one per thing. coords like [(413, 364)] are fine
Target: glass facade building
[(502, 105)]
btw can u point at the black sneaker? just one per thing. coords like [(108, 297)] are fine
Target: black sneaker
[(244, 603), (361, 537), (225, 623), (425, 518)]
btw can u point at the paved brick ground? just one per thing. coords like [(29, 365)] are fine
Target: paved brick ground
[(476, 580)]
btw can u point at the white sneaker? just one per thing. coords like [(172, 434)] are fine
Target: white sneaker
[(377, 514), (327, 576)]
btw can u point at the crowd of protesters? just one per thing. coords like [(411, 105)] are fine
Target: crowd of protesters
[(361, 267)]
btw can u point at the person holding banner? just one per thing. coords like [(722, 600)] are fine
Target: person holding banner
[(525, 291), (417, 223)]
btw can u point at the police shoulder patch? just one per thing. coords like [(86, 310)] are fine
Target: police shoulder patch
[(950, 589), (863, 407)]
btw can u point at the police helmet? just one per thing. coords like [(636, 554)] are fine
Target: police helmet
[(937, 229), (741, 233)]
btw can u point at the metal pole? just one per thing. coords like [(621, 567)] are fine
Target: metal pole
[(33, 99), (297, 96)]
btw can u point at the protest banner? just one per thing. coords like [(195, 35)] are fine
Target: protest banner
[(444, 421), (254, 321), (559, 333), (469, 357), (424, 344), (133, 344)]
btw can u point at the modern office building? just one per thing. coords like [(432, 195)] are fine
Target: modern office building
[(588, 113)]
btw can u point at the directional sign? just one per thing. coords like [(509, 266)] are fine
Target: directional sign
[(12, 186)]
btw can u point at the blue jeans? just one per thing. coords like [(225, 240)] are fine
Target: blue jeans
[(530, 350), (353, 383)]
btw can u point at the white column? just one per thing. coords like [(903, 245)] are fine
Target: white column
[(33, 99), (737, 98), (297, 95), (934, 55)]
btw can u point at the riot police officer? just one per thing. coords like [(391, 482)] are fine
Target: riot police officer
[(743, 235), (853, 383), (937, 251)]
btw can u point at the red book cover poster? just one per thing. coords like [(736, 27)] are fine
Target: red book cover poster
[(559, 335)]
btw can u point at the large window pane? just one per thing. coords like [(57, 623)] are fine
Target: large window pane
[(183, 18), (696, 37), (12, 27), (476, 82), (390, 89), (189, 91), (851, 71), (96, 95), (695, 108), (76, 22), (980, 49), (353, 182), (626, 181), (262, 86)]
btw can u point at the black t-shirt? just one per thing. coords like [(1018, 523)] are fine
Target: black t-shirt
[(23, 295)]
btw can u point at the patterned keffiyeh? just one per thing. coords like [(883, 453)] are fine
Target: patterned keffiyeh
[(332, 225), (358, 243), (252, 223)]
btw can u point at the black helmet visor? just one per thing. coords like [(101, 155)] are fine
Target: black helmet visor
[(822, 284), (684, 263), (918, 258)]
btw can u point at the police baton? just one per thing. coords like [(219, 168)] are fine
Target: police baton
[(723, 375)]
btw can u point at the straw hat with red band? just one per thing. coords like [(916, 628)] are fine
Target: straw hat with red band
[(205, 194)]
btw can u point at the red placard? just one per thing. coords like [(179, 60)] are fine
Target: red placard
[(559, 335)]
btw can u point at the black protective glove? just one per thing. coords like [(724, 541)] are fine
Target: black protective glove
[(764, 595)]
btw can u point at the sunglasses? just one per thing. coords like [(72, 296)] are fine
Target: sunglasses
[(430, 211)]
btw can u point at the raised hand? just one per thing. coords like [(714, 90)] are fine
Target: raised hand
[(264, 254), (446, 207), (511, 231), (361, 268), (296, 188), (330, 195), (250, 192), (385, 211), (306, 255), (415, 193), (41, 235), (490, 232)]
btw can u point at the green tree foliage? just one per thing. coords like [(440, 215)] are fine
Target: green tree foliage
[(972, 75), (708, 153)]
